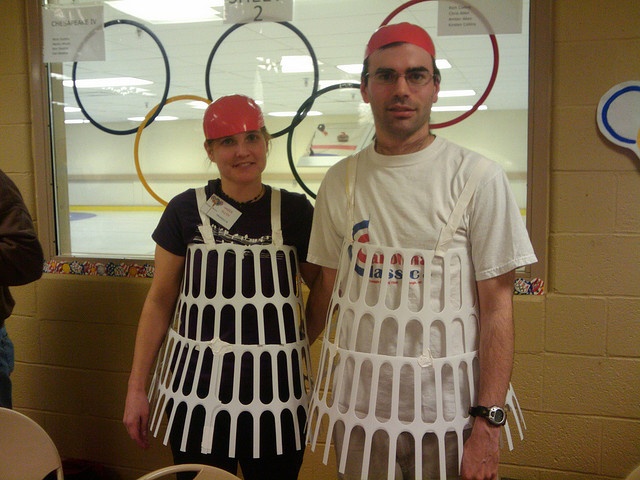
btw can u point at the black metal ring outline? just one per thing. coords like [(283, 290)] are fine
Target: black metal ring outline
[(316, 74), (166, 88), (297, 119)]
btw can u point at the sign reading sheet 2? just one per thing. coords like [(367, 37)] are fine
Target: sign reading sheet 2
[(247, 11), (73, 34)]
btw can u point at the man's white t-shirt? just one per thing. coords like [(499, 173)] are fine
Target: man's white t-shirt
[(405, 200)]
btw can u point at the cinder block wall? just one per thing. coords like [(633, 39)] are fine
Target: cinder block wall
[(577, 365)]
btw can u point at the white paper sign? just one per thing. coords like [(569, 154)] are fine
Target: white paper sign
[(73, 34), (619, 115), (479, 17), (247, 11)]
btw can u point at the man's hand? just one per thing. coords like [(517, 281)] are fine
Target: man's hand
[(481, 452)]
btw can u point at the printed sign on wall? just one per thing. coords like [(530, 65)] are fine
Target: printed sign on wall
[(247, 11), (618, 115), (73, 34), (479, 17)]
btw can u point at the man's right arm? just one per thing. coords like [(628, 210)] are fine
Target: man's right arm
[(318, 302)]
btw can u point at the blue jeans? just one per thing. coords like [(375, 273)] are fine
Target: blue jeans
[(6, 367)]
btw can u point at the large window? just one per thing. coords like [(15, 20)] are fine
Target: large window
[(126, 131)]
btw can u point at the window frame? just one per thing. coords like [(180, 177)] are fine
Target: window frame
[(538, 146)]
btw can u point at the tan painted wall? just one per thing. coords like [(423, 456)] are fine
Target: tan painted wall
[(578, 356)]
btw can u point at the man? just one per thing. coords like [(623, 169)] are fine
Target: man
[(421, 239), (21, 262)]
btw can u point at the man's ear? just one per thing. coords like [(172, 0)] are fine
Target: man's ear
[(363, 91)]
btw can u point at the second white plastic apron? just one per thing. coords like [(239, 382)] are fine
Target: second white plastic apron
[(400, 347), (254, 292)]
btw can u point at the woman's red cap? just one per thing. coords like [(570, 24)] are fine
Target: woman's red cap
[(230, 115)]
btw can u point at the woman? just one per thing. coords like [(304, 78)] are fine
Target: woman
[(233, 374)]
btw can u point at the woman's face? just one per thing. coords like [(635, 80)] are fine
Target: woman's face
[(240, 158)]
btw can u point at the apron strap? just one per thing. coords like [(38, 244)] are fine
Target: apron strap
[(446, 234), (350, 194), (205, 223), (276, 224)]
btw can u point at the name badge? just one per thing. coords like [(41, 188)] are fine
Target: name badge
[(220, 211)]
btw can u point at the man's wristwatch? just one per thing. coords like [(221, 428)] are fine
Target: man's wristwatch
[(494, 415)]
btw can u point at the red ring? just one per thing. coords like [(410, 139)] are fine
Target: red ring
[(492, 79)]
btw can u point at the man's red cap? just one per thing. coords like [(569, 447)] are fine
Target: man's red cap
[(231, 115), (400, 32)]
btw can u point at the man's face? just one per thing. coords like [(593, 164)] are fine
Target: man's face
[(401, 110)]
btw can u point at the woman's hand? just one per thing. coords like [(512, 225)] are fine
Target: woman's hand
[(136, 417)]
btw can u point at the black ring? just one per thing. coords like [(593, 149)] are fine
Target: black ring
[(297, 119), (316, 74), (166, 88)]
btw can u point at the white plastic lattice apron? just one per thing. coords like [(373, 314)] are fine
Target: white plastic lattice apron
[(400, 347), (189, 353)]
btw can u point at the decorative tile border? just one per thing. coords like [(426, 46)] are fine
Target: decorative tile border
[(107, 269), (535, 286)]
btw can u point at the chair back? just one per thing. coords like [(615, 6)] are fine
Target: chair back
[(26, 450), (205, 472)]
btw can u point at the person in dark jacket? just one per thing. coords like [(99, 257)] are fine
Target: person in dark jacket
[(21, 261)]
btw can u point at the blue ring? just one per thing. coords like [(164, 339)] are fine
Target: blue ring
[(166, 88), (316, 74), (605, 109)]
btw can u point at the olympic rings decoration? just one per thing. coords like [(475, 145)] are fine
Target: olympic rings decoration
[(166, 87), (147, 120), (494, 71), (297, 119), (316, 74)]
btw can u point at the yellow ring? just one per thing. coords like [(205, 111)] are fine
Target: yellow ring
[(136, 144)]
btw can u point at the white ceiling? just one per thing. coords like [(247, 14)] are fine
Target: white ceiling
[(337, 31)]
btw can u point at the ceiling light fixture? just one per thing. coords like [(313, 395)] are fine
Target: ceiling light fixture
[(456, 93), (296, 64), (351, 68), (356, 68), (107, 82), (312, 113), (159, 118), (170, 11), (456, 108)]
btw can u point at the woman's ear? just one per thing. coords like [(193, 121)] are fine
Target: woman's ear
[(208, 146)]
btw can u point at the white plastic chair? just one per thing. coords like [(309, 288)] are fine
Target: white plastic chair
[(635, 474), (26, 450), (205, 472)]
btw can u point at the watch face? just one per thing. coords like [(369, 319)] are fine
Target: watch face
[(498, 416)]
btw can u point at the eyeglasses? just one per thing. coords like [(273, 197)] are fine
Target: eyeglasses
[(415, 78)]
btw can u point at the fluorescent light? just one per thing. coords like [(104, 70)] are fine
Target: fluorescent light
[(107, 82), (170, 11), (312, 113), (198, 105), (456, 108), (76, 121), (456, 93), (328, 83), (351, 68), (356, 68), (159, 118), (71, 109), (296, 64)]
